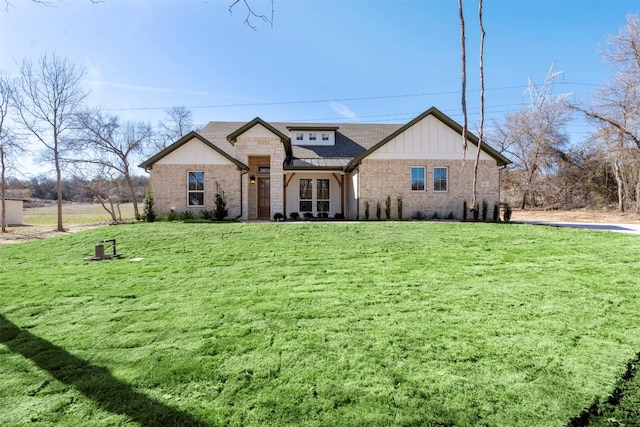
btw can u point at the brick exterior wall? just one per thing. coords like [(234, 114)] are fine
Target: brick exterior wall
[(382, 178), (262, 144), (169, 184)]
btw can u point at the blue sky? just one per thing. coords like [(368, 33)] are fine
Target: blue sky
[(323, 60)]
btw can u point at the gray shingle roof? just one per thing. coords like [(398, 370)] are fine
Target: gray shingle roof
[(352, 139)]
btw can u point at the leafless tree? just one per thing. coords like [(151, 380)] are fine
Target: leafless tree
[(474, 199), (47, 97), (535, 140), (616, 108), (251, 14), (103, 184), (177, 123), (9, 145), (463, 52), (112, 145)]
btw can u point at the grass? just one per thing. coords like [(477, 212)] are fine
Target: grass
[(366, 324), (72, 214)]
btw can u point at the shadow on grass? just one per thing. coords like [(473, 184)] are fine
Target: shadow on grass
[(620, 408), (94, 382)]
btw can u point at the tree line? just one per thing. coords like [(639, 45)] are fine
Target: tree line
[(85, 145), (604, 169)]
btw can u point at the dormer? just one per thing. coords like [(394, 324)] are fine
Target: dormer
[(312, 135)]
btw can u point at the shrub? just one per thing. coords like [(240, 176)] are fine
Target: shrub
[(419, 216), (451, 215), (308, 215), (485, 210), (496, 213), (221, 210), (435, 216), (387, 208), (476, 213), (366, 209), (149, 212), (464, 210), (378, 210), (172, 216), (323, 214), (294, 215), (208, 214), (507, 213), (186, 215), (399, 207), (338, 216), (278, 217)]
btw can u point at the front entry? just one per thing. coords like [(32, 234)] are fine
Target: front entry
[(264, 198)]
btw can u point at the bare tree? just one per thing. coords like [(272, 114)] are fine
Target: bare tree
[(177, 123), (616, 108), (252, 14), (535, 140), (474, 198), (8, 143), (112, 145), (47, 98), (463, 50)]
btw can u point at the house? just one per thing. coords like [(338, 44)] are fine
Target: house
[(265, 168), (14, 208)]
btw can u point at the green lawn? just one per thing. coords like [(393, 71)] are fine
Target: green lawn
[(365, 324)]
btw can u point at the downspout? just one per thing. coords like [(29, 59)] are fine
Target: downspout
[(358, 198), (241, 194)]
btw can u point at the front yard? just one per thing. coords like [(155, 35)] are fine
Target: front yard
[(381, 323)]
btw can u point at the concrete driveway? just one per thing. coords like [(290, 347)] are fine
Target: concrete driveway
[(618, 228)]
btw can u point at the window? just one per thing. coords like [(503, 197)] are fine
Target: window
[(325, 136), (195, 189), (322, 196), (306, 195), (299, 137), (417, 179), (264, 169), (440, 179), (312, 137)]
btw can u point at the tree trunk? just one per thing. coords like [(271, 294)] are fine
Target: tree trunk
[(3, 220), (619, 183)]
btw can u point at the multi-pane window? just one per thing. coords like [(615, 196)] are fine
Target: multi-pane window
[(306, 195), (417, 179), (299, 137), (325, 136), (440, 181), (322, 195), (195, 189), (312, 137)]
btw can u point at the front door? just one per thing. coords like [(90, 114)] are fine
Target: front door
[(264, 198)]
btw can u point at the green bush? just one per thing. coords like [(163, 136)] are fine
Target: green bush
[(464, 210), (496, 213), (278, 217), (366, 209), (387, 208), (294, 215), (485, 210), (149, 212), (399, 207), (378, 211)]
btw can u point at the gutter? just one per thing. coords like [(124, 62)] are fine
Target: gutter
[(241, 194)]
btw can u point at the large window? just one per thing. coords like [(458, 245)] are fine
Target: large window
[(440, 181), (322, 196), (195, 189), (417, 179), (306, 195)]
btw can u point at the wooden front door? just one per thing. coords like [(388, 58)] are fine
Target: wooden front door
[(264, 198)]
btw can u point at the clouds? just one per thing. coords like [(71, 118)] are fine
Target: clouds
[(343, 110)]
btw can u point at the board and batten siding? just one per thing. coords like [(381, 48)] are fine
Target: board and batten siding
[(427, 139), (429, 144)]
